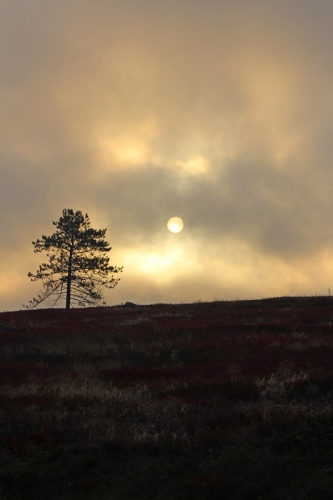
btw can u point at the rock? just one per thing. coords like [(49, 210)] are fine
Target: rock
[(130, 304)]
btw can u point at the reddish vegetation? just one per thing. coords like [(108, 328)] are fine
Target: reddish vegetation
[(165, 376), (188, 343)]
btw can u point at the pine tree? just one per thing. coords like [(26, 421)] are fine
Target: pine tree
[(78, 269)]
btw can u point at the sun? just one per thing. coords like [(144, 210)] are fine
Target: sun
[(175, 224)]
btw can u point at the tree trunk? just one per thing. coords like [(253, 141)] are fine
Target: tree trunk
[(69, 278)]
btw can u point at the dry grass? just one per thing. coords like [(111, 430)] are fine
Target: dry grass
[(316, 344)]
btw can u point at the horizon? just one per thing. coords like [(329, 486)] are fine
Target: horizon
[(197, 302), (136, 112)]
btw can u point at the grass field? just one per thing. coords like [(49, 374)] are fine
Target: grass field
[(218, 400)]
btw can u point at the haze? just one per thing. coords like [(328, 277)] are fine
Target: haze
[(135, 110)]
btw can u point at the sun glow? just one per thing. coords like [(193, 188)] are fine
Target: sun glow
[(162, 265), (175, 224)]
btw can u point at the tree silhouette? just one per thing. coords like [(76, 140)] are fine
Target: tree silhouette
[(78, 267)]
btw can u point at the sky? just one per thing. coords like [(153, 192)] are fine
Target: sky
[(134, 111)]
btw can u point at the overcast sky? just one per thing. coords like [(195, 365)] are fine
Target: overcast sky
[(133, 111)]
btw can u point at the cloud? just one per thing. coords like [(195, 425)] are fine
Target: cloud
[(217, 112)]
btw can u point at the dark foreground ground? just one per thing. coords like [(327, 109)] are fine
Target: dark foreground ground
[(219, 400)]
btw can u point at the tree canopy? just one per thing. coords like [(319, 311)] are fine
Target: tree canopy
[(78, 269)]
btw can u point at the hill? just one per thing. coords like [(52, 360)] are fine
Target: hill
[(206, 400)]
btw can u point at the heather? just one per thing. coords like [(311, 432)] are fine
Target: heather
[(223, 399)]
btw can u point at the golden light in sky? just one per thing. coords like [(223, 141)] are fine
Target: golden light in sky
[(234, 125), (175, 224)]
